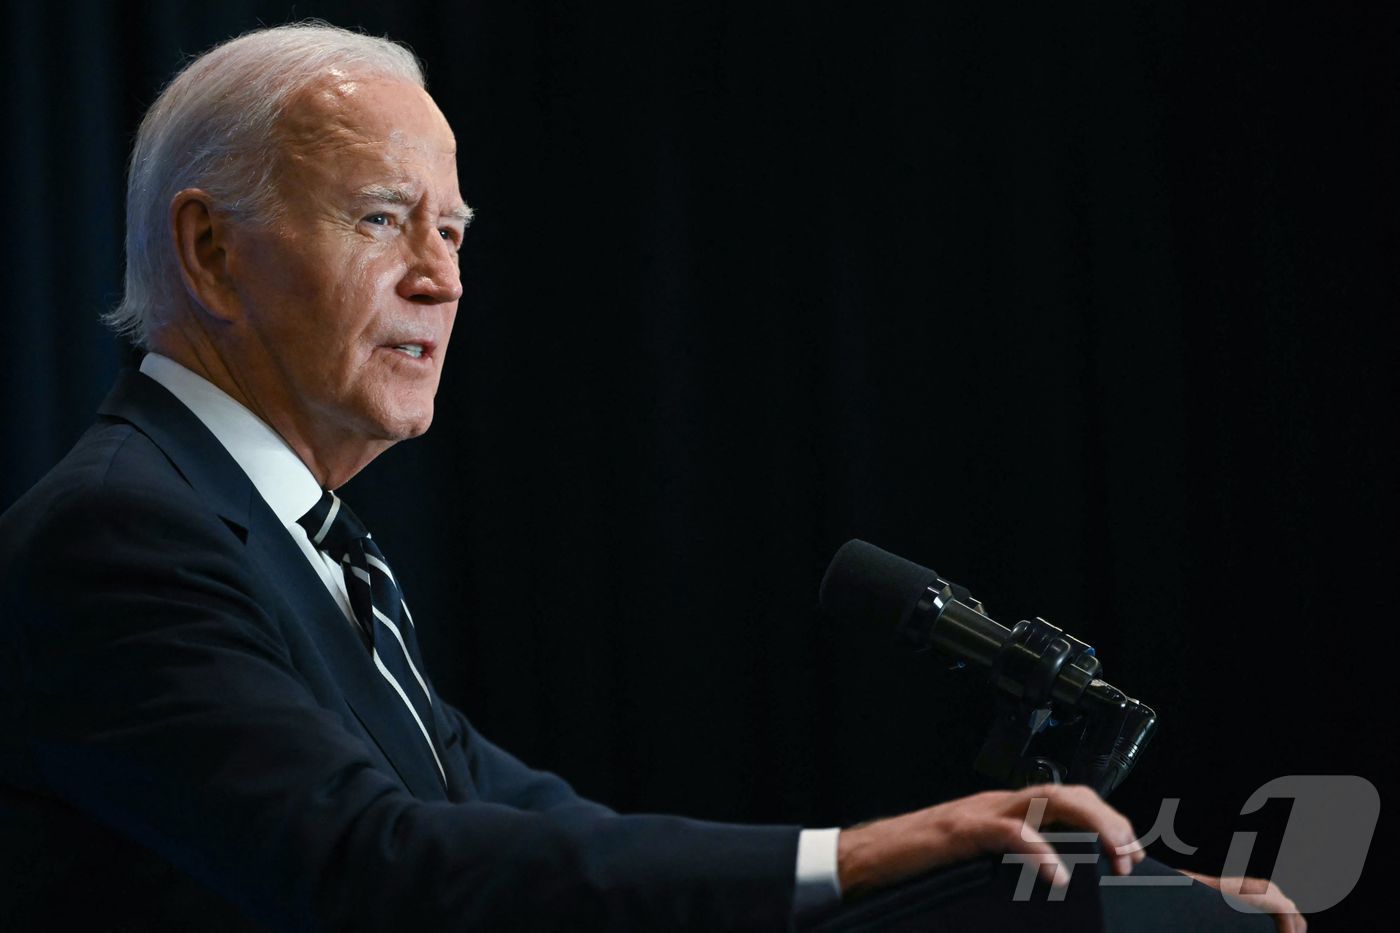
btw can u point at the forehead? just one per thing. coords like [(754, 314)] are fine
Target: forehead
[(347, 125)]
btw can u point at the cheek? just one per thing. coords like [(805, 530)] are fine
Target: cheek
[(294, 302), (351, 313), (367, 291), (446, 342)]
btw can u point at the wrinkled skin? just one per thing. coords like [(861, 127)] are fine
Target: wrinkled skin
[(298, 319)]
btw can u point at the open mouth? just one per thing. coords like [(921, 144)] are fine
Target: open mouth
[(421, 349)]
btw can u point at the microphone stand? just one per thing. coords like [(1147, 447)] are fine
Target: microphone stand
[(1044, 678)]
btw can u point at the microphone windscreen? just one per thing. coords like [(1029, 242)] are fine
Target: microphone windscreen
[(868, 585)]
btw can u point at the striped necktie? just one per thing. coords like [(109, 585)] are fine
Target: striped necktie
[(378, 606)]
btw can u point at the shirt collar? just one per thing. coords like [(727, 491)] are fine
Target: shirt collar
[(280, 477)]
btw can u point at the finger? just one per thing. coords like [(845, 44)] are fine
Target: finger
[(1080, 806), (1272, 901), (1249, 885), (1011, 835), (1203, 879), (1020, 838), (1134, 850)]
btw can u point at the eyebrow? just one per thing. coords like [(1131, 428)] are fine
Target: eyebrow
[(390, 194)]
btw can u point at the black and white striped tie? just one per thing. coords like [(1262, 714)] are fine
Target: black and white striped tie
[(379, 609)]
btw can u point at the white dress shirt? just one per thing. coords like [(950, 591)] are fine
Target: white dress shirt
[(290, 490)]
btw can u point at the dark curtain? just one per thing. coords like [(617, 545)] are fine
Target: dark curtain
[(1087, 306)]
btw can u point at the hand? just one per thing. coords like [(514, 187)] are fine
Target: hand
[(877, 854), (1264, 896)]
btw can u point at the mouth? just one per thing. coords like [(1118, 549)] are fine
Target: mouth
[(415, 350)]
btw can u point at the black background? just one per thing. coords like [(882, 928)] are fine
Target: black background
[(1087, 306)]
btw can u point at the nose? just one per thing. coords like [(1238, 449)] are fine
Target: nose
[(433, 276)]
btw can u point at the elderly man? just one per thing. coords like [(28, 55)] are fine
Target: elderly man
[(216, 711)]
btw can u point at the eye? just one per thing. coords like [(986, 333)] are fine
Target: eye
[(379, 220), (450, 235)]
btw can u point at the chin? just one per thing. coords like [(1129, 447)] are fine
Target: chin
[(396, 414), (408, 425)]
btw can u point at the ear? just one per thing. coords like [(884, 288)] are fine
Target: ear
[(201, 242)]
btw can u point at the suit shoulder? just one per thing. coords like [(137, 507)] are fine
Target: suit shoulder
[(113, 474)]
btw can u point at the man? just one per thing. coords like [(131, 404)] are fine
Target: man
[(216, 710)]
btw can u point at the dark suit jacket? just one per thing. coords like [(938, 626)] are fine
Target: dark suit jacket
[(194, 737)]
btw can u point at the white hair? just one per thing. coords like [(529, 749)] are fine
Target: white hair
[(215, 127)]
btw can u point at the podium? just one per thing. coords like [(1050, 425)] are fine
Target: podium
[(990, 896)]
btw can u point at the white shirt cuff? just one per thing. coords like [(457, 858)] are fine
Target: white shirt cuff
[(818, 885)]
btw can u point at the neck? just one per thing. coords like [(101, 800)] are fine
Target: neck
[(332, 458)]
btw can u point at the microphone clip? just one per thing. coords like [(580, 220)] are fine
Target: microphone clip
[(1025, 673), (1046, 678)]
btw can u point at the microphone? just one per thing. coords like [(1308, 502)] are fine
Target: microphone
[(867, 584), (1041, 669)]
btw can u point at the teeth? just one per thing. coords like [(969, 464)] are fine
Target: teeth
[(412, 349)]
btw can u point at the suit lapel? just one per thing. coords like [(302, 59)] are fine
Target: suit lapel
[(194, 451), (369, 697), (209, 469)]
